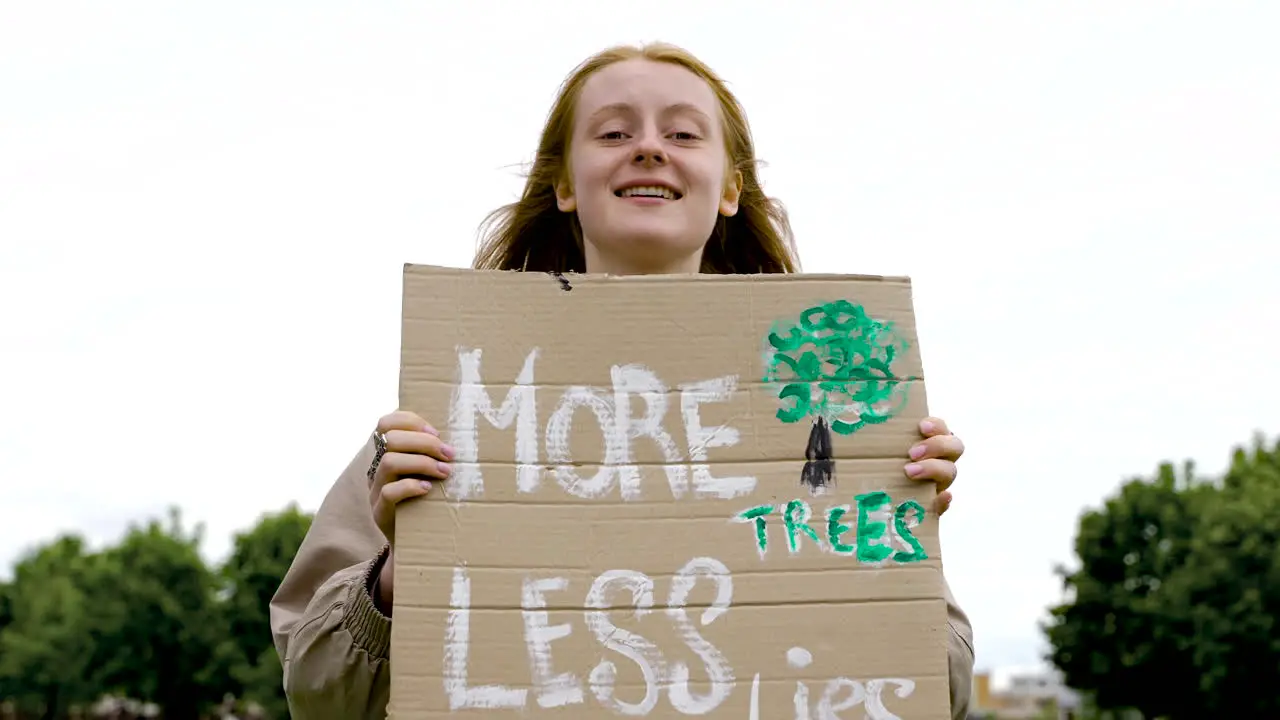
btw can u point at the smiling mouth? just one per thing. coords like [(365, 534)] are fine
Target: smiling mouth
[(649, 191)]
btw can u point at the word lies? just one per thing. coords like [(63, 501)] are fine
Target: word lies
[(870, 541), (840, 694), (552, 688), (612, 409)]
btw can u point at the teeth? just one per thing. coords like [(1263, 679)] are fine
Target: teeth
[(649, 191)]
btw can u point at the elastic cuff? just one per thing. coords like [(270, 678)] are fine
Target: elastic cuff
[(369, 627)]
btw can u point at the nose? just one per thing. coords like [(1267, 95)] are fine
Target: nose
[(649, 150), (650, 157)]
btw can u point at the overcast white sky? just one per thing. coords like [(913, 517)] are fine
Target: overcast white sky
[(204, 211)]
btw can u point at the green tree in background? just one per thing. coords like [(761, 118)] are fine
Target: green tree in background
[(258, 562), (1175, 607), (7, 689), (6, 605), (45, 645), (1229, 589), (156, 618), (146, 619)]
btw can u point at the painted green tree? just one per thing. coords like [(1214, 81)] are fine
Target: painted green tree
[(834, 365)]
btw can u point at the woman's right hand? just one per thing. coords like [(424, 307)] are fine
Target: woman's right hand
[(415, 456)]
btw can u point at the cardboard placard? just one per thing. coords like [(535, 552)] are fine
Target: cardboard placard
[(672, 496)]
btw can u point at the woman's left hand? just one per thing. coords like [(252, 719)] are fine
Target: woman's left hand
[(934, 459)]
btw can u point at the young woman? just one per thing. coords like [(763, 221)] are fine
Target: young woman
[(646, 165)]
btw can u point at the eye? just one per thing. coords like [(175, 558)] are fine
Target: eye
[(685, 136), (612, 135)]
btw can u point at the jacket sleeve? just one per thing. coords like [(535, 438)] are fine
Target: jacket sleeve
[(333, 642), (960, 656)]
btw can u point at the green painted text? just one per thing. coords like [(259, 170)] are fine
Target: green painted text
[(869, 540)]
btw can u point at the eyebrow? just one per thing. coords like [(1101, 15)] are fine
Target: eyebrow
[(626, 107)]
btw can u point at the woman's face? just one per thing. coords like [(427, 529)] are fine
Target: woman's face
[(648, 171)]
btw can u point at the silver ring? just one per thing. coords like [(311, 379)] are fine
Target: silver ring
[(379, 449)]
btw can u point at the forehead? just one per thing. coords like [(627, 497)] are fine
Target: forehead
[(645, 85)]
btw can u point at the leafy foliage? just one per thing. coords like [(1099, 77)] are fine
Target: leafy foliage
[(258, 563), (1174, 608), (146, 619), (45, 646)]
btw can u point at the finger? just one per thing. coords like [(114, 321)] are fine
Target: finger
[(942, 503), (404, 420), (395, 466), (391, 494), (942, 472), (396, 492), (421, 443), (945, 447), (932, 426)]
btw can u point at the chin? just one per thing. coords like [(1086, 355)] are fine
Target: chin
[(655, 250)]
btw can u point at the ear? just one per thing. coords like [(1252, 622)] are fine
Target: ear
[(732, 191), (565, 199)]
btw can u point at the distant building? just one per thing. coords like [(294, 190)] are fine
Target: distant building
[(1028, 696)]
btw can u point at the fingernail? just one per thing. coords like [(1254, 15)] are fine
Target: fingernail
[(916, 452), (926, 426), (914, 469), (426, 486), (448, 451), (431, 431), (445, 469)]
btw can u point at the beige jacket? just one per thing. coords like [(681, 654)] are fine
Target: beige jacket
[(334, 643)]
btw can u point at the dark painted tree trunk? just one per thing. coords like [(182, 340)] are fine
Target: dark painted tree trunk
[(820, 470)]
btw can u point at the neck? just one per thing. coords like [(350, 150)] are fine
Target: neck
[(609, 265)]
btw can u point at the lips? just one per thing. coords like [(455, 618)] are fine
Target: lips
[(649, 190)]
